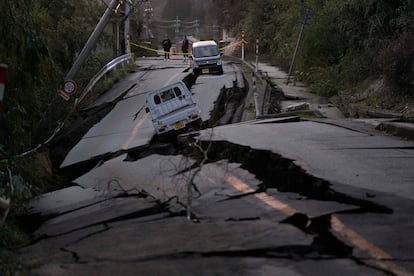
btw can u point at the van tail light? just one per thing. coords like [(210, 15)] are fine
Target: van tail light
[(193, 116), (162, 129)]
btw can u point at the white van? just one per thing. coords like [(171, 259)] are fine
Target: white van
[(172, 108), (206, 58)]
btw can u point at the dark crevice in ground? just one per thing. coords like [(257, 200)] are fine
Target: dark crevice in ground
[(243, 219), (227, 105), (34, 220), (76, 170), (283, 174), (189, 80), (273, 96), (91, 234), (158, 209), (290, 252), (60, 146), (223, 113), (73, 133), (272, 252), (272, 169), (79, 126), (260, 190), (74, 254), (324, 241), (169, 144)]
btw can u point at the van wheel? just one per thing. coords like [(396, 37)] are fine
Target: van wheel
[(221, 70)]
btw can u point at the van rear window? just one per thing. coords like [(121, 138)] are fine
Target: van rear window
[(167, 95)]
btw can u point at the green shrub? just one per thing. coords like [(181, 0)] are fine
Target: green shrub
[(325, 81)]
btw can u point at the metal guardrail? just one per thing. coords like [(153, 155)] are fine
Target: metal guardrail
[(108, 67)]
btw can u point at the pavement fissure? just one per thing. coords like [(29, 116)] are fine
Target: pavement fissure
[(281, 173), (276, 175)]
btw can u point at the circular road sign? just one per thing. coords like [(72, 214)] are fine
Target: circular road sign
[(70, 87)]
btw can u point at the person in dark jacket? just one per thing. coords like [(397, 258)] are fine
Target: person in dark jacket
[(166, 44), (184, 48)]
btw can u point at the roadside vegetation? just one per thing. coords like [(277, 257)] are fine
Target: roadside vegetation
[(347, 46), (39, 41), (344, 45)]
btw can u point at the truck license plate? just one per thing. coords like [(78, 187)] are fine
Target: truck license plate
[(205, 70), (179, 125)]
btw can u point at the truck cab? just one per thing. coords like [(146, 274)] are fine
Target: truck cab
[(172, 108)]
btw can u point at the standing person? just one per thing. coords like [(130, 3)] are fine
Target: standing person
[(166, 44), (184, 48)]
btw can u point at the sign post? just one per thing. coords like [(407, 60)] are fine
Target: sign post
[(243, 42)]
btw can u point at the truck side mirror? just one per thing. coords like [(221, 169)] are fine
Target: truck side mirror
[(147, 110)]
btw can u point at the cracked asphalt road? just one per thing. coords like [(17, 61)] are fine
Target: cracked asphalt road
[(281, 198)]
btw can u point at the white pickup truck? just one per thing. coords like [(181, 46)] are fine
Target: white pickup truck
[(172, 108)]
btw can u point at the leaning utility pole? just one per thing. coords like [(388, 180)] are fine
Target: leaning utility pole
[(91, 41), (70, 85), (127, 27), (305, 17)]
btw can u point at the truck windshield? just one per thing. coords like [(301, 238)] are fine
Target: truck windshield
[(206, 51)]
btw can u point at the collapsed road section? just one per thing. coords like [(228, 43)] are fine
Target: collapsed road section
[(275, 196), (243, 200), (246, 204)]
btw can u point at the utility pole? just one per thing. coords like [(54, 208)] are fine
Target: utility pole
[(305, 17), (91, 41), (197, 27), (177, 28), (127, 27), (115, 34), (69, 84)]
